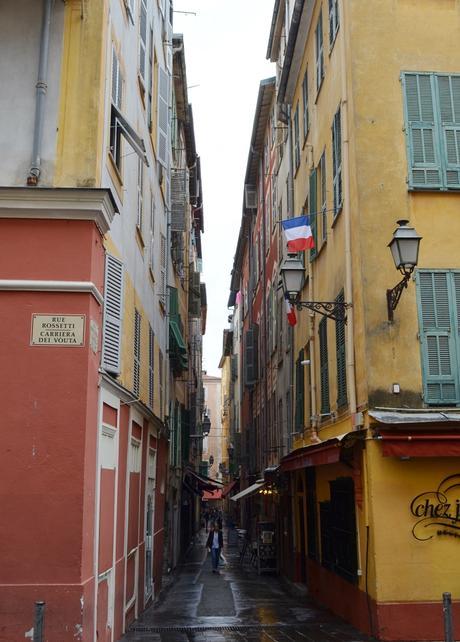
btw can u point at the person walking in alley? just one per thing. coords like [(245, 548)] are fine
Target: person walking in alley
[(215, 544)]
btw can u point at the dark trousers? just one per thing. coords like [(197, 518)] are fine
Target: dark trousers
[(215, 554)]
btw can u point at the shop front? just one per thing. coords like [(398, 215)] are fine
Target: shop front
[(376, 524)]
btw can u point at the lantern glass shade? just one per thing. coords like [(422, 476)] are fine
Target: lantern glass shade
[(293, 275), (206, 425), (404, 246)]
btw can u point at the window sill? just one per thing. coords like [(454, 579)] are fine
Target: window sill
[(421, 188)]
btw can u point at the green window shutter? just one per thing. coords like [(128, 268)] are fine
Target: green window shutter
[(340, 357), (337, 161), (439, 337), (449, 106), (324, 366), (422, 132), (299, 394), (312, 201)]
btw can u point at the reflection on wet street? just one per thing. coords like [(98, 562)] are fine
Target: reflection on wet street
[(235, 605)]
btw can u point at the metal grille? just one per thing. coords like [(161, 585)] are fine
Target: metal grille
[(242, 628)]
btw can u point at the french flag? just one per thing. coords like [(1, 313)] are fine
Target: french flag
[(298, 233), (290, 310)]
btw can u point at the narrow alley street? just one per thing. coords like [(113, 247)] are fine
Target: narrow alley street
[(237, 605)]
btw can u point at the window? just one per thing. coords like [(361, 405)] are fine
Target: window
[(319, 51), (117, 99), (137, 353), (113, 311), (432, 112), (151, 365), (129, 5), (152, 234), (140, 193), (306, 123), (340, 357), (162, 293), (337, 162), (296, 139), (163, 117), (324, 366), (313, 214), (323, 196), (334, 21), (438, 295), (150, 82), (299, 394), (338, 530), (274, 201), (160, 381), (143, 42), (119, 126), (117, 81)]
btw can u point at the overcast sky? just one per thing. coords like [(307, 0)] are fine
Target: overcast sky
[(225, 48)]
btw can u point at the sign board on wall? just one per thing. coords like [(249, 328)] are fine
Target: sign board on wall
[(66, 331), (437, 511)]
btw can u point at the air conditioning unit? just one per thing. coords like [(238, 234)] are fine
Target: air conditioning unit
[(250, 197)]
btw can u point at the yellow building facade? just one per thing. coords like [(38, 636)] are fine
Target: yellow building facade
[(373, 91)]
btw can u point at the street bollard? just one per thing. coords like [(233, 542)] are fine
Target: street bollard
[(38, 621), (447, 609)]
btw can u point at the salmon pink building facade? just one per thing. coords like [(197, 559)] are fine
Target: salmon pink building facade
[(88, 350)]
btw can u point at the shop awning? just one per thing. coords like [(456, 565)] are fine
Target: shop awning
[(419, 444), (228, 488), (200, 482), (250, 490), (426, 419), (209, 495), (326, 452)]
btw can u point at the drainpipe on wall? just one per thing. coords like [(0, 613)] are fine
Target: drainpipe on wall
[(40, 94), (350, 348)]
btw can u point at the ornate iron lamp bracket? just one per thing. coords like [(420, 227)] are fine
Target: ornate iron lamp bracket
[(332, 309), (394, 294)]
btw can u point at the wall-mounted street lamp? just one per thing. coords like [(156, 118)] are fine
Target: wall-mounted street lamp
[(404, 248), (205, 428), (293, 277)]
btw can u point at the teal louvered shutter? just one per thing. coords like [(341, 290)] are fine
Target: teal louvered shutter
[(299, 394), (421, 132), (313, 214), (324, 366), (340, 357), (438, 336), (449, 106), (113, 311)]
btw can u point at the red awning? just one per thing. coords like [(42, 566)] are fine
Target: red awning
[(209, 495), (413, 444), (228, 488), (326, 452)]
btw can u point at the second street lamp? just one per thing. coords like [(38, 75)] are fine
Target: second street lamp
[(404, 248), (293, 277)]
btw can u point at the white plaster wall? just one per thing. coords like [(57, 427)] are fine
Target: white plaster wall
[(20, 28), (123, 230)]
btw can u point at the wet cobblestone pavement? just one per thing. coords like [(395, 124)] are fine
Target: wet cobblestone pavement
[(237, 605)]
